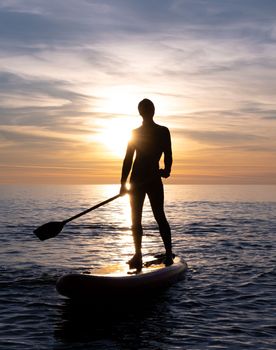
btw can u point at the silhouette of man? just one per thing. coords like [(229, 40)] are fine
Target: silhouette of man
[(148, 143)]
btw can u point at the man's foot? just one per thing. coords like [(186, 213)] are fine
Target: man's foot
[(136, 262), (169, 259)]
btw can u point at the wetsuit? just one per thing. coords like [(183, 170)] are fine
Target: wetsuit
[(148, 143)]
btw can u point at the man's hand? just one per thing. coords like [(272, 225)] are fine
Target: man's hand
[(123, 189), (164, 173)]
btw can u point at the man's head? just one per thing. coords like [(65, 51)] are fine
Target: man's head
[(146, 109)]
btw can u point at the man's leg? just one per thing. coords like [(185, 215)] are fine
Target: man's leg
[(156, 196), (137, 198)]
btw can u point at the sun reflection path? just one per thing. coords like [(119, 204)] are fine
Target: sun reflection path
[(120, 216), (125, 240), (116, 220)]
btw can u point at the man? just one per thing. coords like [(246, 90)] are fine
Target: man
[(148, 142)]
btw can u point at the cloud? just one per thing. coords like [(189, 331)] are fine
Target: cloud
[(220, 137), (31, 101), (13, 83), (41, 23)]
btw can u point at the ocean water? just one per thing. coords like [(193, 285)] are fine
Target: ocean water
[(226, 300)]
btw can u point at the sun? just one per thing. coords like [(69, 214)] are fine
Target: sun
[(115, 134), (118, 108), (118, 100)]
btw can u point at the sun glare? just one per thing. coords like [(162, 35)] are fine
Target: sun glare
[(119, 106), (115, 134), (118, 100)]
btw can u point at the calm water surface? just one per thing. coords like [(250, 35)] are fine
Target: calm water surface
[(226, 300)]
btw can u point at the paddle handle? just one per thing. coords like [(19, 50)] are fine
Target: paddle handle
[(92, 208)]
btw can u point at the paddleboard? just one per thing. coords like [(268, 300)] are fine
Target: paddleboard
[(118, 281)]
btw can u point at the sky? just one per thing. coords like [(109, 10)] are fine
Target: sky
[(72, 73)]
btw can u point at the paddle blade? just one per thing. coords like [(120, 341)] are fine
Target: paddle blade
[(49, 230)]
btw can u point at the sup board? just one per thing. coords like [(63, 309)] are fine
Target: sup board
[(118, 281)]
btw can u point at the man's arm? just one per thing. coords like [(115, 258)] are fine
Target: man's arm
[(127, 163), (167, 155)]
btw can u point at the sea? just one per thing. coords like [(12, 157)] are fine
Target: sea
[(226, 299)]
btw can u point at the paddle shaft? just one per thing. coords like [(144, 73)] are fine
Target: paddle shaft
[(53, 228), (102, 203), (92, 208)]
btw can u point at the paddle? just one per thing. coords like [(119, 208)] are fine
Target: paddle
[(53, 228)]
